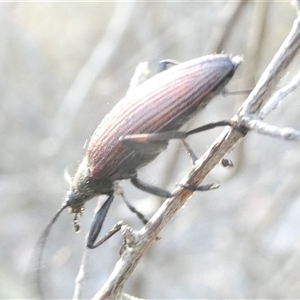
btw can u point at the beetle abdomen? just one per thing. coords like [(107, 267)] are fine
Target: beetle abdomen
[(164, 102)]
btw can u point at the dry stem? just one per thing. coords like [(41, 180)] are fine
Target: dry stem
[(139, 241)]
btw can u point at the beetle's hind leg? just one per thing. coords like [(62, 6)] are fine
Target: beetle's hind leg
[(225, 162), (190, 152), (194, 158), (132, 139), (156, 142)]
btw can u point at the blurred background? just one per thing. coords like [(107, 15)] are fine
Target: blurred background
[(63, 66)]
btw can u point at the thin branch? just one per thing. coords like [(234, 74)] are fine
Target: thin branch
[(81, 274), (226, 21), (253, 51), (220, 34), (254, 40), (279, 95), (254, 123), (273, 72), (287, 133), (140, 75), (98, 60), (139, 241), (83, 270)]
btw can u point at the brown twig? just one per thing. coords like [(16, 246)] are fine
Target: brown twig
[(253, 51), (279, 96), (226, 21), (139, 241)]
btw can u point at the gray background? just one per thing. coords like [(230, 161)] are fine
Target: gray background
[(62, 67)]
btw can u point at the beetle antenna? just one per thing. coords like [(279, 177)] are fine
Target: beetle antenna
[(41, 246)]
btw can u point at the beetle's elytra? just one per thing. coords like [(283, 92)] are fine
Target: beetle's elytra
[(158, 108)]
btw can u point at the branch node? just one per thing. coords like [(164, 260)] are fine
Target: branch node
[(131, 237), (254, 123)]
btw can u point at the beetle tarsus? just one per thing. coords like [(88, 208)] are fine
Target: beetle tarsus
[(76, 224), (201, 188), (117, 227), (190, 152), (225, 162)]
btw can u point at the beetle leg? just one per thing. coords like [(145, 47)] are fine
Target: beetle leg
[(190, 152), (163, 64), (156, 142), (132, 139), (97, 223), (142, 142), (225, 162), (108, 235), (200, 188), (210, 126), (131, 208), (149, 188), (134, 210)]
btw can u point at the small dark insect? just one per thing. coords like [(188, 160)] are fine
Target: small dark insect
[(138, 129)]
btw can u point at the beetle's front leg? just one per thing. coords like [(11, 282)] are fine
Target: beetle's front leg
[(97, 223), (117, 227)]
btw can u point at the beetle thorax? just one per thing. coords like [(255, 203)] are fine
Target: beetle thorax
[(84, 187)]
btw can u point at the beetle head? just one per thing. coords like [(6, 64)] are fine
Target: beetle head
[(83, 187)]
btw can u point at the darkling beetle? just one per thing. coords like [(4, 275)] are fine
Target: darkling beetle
[(138, 129)]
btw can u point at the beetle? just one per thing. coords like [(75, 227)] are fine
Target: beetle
[(138, 129)]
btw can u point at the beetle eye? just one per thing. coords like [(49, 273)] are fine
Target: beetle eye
[(71, 198)]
